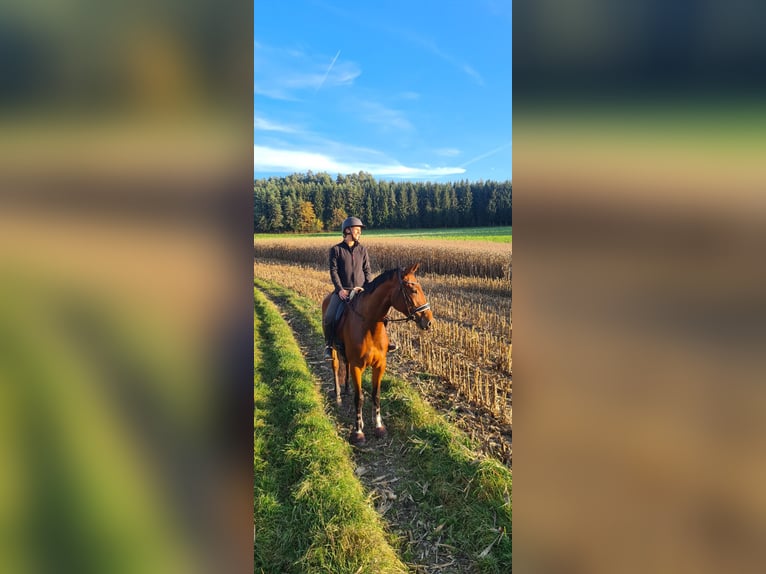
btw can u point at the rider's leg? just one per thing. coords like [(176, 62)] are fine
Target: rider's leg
[(328, 325)]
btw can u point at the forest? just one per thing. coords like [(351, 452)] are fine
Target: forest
[(314, 202)]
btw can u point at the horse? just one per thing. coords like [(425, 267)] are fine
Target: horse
[(362, 334)]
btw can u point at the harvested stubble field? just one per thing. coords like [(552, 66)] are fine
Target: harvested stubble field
[(464, 364), (479, 259)]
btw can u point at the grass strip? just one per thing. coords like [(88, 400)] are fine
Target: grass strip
[(499, 234), (310, 511), (470, 496)]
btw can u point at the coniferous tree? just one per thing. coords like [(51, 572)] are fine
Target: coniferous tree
[(369, 217), (466, 207), (288, 213)]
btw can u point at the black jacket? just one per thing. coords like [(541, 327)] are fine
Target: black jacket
[(349, 266)]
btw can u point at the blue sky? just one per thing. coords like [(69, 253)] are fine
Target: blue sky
[(417, 90)]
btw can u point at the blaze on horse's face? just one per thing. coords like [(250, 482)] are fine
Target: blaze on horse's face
[(414, 292)]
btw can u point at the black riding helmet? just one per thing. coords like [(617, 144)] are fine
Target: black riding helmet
[(351, 222)]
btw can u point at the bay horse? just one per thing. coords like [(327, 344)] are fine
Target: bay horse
[(363, 338)]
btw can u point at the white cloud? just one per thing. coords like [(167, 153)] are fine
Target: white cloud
[(474, 74), (385, 117), (432, 47), (284, 74), (447, 151), (264, 125), (267, 159)]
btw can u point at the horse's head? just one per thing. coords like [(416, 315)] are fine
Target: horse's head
[(411, 300)]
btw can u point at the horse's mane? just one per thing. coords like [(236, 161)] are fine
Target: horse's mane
[(379, 280)]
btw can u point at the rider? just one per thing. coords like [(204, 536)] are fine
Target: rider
[(349, 268)]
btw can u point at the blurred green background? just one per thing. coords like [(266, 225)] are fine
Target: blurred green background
[(125, 270)]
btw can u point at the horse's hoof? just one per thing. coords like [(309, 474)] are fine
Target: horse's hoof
[(380, 432), (357, 438)]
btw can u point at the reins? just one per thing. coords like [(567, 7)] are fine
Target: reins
[(352, 305)]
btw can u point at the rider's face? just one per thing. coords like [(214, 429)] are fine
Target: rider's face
[(355, 232)]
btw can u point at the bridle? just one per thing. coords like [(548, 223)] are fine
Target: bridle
[(411, 309)]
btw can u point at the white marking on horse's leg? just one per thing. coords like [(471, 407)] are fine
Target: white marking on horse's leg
[(380, 430), (359, 410)]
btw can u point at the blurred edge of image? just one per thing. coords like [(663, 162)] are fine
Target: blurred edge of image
[(639, 287), (125, 266)]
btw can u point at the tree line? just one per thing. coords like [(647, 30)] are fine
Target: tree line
[(317, 202)]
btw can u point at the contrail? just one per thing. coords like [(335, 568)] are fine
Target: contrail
[(487, 154), (327, 73)]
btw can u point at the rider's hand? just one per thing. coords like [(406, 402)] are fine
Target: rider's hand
[(343, 294)]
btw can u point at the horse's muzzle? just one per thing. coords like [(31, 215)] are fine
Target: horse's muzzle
[(424, 322)]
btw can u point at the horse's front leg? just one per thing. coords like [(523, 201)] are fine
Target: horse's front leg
[(357, 436), (377, 377), (336, 374)]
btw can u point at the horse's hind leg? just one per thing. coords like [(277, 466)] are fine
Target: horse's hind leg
[(377, 377), (357, 435), (346, 388)]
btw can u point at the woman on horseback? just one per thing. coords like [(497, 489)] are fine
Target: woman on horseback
[(349, 268)]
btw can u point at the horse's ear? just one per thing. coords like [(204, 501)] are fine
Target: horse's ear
[(412, 268)]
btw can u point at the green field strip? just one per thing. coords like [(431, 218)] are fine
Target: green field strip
[(499, 234), (467, 495), (310, 511)]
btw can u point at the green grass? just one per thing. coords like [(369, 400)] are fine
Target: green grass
[(494, 234), (448, 482), (310, 511)]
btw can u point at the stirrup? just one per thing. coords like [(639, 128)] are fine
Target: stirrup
[(392, 347), (328, 353)]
